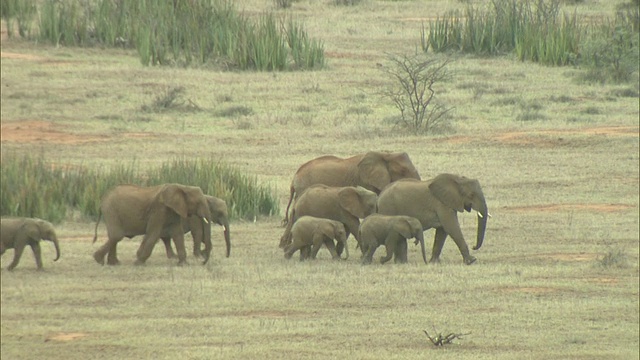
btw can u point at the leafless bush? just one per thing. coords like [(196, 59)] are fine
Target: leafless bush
[(412, 91)]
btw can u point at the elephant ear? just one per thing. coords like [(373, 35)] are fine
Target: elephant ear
[(373, 171), (446, 188), (175, 198), (328, 229), (349, 200), (403, 227)]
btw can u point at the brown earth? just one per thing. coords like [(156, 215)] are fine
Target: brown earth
[(577, 207), (66, 336)]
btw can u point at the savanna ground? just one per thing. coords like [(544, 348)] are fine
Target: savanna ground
[(562, 187)]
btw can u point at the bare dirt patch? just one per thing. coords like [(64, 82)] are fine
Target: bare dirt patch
[(66, 336), (547, 138), (529, 290), (608, 208), (42, 131), (573, 257)]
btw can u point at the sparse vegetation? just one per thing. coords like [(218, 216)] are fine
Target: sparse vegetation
[(412, 90), (614, 258)]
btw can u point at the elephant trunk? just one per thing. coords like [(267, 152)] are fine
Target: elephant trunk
[(483, 216), (227, 236), (420, 238), (54, 240)]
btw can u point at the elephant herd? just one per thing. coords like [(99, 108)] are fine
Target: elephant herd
[(385, 191), (378, 197)]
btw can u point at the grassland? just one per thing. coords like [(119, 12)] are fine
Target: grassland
[(558, 160)]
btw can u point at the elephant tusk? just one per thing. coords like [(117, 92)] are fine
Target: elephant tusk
[(489, 215), (480, 215), (205, 220), (224, 228)]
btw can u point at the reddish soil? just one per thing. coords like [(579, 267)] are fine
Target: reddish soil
[(66, 336), (576, 207)]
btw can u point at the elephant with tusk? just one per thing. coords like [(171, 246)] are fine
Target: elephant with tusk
[(312, 232), (155, 212), (18, 232), (435, 203)]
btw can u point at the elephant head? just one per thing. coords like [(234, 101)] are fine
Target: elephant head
[(335, 230), (376, 169), (185, 201), (409, 227), (460, 193), (357, 201), (46, 231), (220, 215)]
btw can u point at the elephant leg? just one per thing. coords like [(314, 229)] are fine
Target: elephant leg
[(390, 244), (332, 248), (452, 227), (18, 249), (112, 253), (37, 254), (367, 257), (168, 248), (305, 252), (438, 243), (316, 244), (178, 239), (401, 252), (146, 247)]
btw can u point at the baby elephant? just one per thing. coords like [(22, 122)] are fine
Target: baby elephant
[(311, 232), (16, 233), (392, 231)]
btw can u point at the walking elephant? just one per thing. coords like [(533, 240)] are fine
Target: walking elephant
[(346, 204), (219, 215), (435, 204), (18, 232), (392, 231), (373, 171), (312, 232), (154, 212)]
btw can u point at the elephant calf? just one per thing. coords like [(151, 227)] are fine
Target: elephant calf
[(392, 231), (312, 232), (16, 233)]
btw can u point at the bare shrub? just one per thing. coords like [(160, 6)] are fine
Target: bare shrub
[(412, 91)]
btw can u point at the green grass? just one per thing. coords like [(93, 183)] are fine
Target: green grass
[(563, 192)]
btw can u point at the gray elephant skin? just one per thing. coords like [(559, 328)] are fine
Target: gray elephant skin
[(309, 233), (391, 231), (373, 171), (347, 204), (219, 215), (155, 212), (18, 232), (435, 203)]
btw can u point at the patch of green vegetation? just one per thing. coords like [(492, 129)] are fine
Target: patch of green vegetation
[(235, 111), (34, 187), (173, 32), (614, 258)]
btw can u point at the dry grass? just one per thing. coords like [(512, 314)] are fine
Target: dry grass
[(563, 191)]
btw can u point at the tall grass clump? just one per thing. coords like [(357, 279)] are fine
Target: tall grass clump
[(33, 187), (20, 11), (534, 29), (180, 33)]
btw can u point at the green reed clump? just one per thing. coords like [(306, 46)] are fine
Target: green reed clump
[(180, 32), (22, 11), (33, 187), (534, 29)]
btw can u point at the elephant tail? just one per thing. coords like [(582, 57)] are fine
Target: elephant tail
[(292, 192), (95, 231)]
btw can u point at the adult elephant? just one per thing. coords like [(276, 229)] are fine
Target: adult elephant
[(347, 204), (18, 232), (435, 203), (309, 233), (392, 231), (155, 212), (219, 215), (373, 171)]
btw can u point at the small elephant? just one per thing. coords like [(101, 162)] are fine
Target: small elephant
[(346, 204), (373, 171), (435, 203), (392, 231), (219, 215), (18, 232), (309, 231), (155, 212)]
